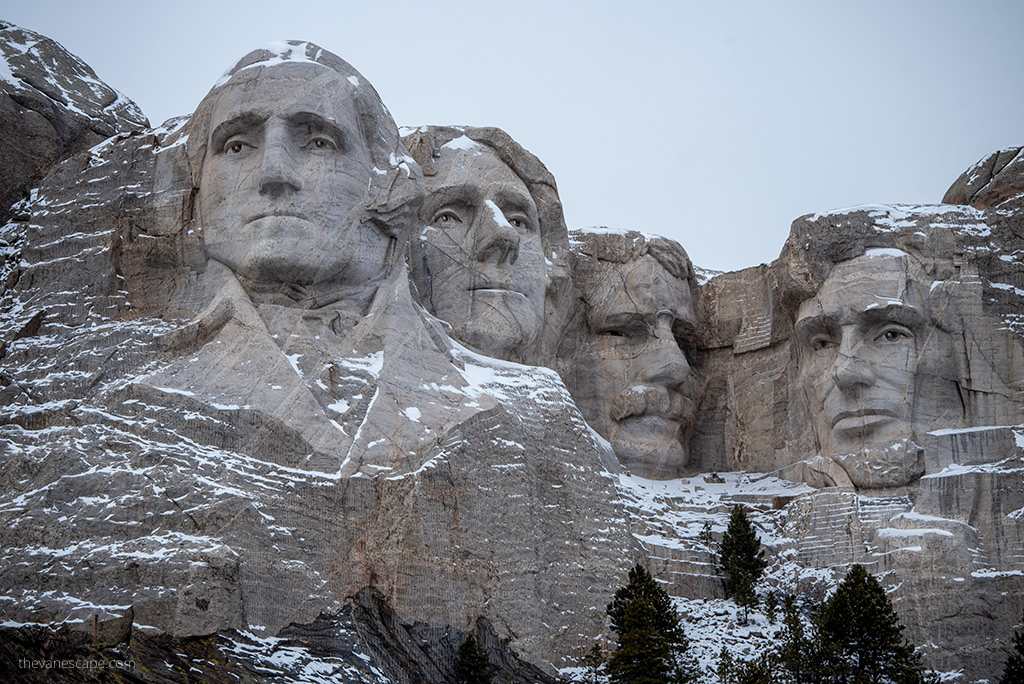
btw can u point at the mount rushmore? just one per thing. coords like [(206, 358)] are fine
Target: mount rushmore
[(264, 359)]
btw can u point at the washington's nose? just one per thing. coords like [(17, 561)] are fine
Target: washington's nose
[(497, 239), (665, 363), (278, 172)]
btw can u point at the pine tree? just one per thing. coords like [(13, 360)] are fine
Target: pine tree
[(1013, 671), (652, 644), (472, 665), (859, 637), (796, 651), (742, 558), (594, 662)]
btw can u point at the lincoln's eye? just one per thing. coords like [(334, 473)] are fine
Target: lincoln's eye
[(894, 333)]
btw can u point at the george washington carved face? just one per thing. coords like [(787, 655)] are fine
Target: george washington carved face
[(283, 178)]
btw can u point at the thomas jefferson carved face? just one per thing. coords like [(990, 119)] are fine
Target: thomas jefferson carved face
[(283, 178), (479, 264), (872, 365), (635, 386)]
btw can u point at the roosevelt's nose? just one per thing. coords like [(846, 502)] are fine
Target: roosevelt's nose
[(497, 240), (278, 172), (664, 362)]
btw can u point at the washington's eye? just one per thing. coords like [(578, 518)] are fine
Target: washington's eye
[(614, 333), (235, 146), (320, 143)]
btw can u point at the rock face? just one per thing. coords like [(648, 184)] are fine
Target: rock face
[(879, 360), (268, 448), (52, 107), (241, 416)]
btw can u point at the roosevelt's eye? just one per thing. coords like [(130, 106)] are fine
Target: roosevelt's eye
[(627, 333), (820, 342)]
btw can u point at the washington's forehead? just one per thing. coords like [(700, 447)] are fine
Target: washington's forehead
[(283, 88)]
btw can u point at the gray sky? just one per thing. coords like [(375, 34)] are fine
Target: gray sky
[(715, 124)]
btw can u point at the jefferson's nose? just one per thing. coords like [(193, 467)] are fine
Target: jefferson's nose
[(278, 167), (497, 240)]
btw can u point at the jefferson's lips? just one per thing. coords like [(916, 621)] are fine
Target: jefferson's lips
[(862, 417)]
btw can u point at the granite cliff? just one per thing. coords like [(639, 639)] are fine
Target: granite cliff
[(224, 436)]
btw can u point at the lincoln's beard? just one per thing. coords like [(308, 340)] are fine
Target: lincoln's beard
[(879, 467)]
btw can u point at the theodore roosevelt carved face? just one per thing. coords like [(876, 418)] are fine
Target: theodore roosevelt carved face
[(872, 364), (633, 381)]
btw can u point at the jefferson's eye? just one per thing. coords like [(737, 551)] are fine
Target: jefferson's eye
[(519, 222), (445, 218)]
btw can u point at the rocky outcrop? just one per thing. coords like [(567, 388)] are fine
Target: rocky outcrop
[(52, 106), (269, 462), (157, 411), (365, 643)]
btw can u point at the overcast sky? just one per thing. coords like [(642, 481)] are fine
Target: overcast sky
[(715, 124)]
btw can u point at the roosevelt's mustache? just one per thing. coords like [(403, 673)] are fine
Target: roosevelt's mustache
[(643, 400)]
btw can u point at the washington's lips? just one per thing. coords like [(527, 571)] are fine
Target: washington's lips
[(503, 290), (277, 214)]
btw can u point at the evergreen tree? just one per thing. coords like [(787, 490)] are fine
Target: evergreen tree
[(594, 662), (742, 558), (652, 644), (761, 670), (472, 665), (1013, 671), (795, 651), (856, 639)]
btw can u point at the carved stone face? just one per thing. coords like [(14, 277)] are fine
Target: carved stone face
[(872, 366), (283, 177), (635, 386), (479, 264)]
